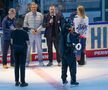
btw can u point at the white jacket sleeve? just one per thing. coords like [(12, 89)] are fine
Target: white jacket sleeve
[(25, 24), (41, 25)]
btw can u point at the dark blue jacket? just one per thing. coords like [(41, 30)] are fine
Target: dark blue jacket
[(7, 23)]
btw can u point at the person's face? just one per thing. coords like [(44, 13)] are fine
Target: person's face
[(12, 14), (52, 10), (33, 8)]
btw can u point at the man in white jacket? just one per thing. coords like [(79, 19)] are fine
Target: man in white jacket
[(34, 20)]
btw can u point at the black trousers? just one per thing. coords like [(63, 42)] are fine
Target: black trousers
[(6, 44), (20, 60), (69, 60), (50, 42)]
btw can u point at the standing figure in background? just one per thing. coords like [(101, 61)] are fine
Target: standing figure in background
[(52, 24), (81, 23), (8, 25), (34, 20)]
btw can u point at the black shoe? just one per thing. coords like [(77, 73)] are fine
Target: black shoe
[(50, 64), (23, 84), (59, 64), (74, 83), (17, 83), (65, 83)]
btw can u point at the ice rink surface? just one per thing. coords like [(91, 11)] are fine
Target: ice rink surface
[(92, 76)]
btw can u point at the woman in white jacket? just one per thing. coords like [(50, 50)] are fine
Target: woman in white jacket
[(81, 23)]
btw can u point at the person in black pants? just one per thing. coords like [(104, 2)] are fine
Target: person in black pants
[(8, 25), (53, 23), (67, 53), (19, 40)]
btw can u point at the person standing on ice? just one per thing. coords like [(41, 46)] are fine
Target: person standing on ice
[(81, 25), (34, 21)]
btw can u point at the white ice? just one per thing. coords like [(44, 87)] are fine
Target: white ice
[(92, 76)]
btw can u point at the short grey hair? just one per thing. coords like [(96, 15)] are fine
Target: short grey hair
[(33, 3)]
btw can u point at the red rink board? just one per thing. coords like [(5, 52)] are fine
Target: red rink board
[(97, 53), (89, 53)]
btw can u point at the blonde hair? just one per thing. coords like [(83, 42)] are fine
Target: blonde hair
[(81, 10)]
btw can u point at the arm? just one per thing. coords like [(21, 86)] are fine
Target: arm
[(46, 23), (11, 41), (5, 29), (87, 27), (62, 22), (25, 24), (40, 27), (27, 39), (11, 38), (28, 43)]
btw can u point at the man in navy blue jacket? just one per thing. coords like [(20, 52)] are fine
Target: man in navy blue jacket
[(8, 25)]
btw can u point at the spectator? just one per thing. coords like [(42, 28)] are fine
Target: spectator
[(81, 24), (52, 24), (34, 20), (8, 25)]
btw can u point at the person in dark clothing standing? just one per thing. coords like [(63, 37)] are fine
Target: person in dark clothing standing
[(8, 25), (19, 40), (67, 53), (52, 23)]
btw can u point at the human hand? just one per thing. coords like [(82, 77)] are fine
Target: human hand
[(51, 20), (34, 32), (12, 27)]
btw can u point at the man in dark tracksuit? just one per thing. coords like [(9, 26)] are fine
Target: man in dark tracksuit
[(8, 25), (68, 56), (19, 40)]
